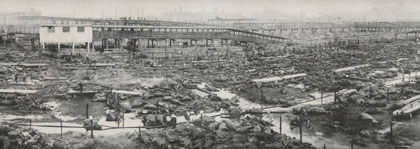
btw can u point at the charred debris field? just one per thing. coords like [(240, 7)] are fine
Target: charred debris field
[(182, 85)]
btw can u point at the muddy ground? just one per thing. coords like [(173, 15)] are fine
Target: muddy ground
[(166, 82)]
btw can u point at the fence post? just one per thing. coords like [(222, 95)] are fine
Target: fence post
[(123, 120), (91, 128), (139, 132), (262, 97), (61, 128), (87, 110), (300, 128), (280, 124), (30, 124)]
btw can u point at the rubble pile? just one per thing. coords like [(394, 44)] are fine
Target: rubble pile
[(13, 137), (176, 99), (248, 132)]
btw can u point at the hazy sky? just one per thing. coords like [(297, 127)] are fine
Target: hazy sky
[(249, 8)]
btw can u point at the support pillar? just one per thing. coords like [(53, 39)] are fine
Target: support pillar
[(58, 45), (32, 43), (119, 44), (88, 47), (115, 43), (106, 44), (72, 47), (170, 42)]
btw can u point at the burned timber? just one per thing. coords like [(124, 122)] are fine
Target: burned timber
[(136, 83)]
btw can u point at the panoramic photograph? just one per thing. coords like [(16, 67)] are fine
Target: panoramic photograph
[(209, 74)]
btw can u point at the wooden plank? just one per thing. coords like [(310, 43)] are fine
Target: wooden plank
[(83, 92), (19, 91), (127, 92), (33, 64)]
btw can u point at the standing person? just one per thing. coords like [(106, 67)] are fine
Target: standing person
[(24, 77), (16, 77), (173, 120), (165, 120), (187, 116), (81, 87)]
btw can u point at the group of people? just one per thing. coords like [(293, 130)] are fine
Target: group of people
[(16, 77)]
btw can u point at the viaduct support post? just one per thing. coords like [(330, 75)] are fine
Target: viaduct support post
[(106, 44)]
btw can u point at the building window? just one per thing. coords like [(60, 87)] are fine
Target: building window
[(51, 29), (66, 29), (80, 29)]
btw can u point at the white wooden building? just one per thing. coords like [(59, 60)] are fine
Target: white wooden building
[(66, 34)]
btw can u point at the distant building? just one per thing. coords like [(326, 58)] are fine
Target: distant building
[(222, 21), (66, 34), (13, 18)]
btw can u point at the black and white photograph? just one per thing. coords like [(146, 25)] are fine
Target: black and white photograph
[(209, 74)]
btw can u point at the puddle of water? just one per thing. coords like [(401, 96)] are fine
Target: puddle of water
[(63, 117), (13, 117), (399, 78), (317, 141)]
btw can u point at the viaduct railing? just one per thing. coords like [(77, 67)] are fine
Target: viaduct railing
[(194, 33), (324, 25)]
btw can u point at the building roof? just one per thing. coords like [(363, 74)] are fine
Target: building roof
[(61, 25)]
